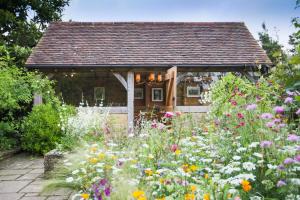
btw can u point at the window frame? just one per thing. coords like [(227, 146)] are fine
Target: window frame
[(188, 88), (142, 92), (162, 95)]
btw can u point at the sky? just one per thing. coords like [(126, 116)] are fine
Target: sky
[(277, 14)]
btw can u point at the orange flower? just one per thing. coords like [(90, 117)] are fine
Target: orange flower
[(206, 176), (246, 185), (149, 172), (189, 197), (206, 196)]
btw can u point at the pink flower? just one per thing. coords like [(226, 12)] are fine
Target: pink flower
[(153, 124), (266, 116), (169, 115), (174, 147), (240, 115), (280, 183), (279, 109), (293, 138), (178, 113), (251, 107), (234, 103), (265, 144), (270, 124), (298, 112), (288, 161), (297, 158)]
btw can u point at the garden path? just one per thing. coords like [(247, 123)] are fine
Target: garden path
[(21, 178)]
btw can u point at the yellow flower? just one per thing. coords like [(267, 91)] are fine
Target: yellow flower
[(150, 156), (114, 157), (108, 167), (206, 176), (206, 196), (177, 152), (93, 149), (229, 196), (193, 188), (162, 181), (185, 168), (189, 197), (149, 172), (85, 196), (101, 156), (246, 185), (193, 168), (93, 160), (162, 198), (139, 194)]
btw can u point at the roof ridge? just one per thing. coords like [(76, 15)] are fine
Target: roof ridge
[(146, 22)]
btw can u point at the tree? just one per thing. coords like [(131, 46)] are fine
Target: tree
[(295, 37), (23, 21), (272, 47)]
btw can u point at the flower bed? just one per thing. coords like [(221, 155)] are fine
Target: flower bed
[(249, 151)]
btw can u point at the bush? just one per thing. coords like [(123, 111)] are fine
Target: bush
[(41, 129), (17, 87)]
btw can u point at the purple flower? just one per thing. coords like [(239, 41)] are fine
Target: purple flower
[(293, 138), (277, 120), (266, 116), (279, 109), (297, 158), (154, 124), (288, 100), (298, 112), (107, 191), (281, 183), (103, 182), (270, 124), (288, 161), (280, 167), (281, 125), (290, 93), (265, 144), (251, 107), (298, 148)]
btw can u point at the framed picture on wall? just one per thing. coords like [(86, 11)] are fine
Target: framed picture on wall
[(193, 91), (138, 93), (99, 94), (157, 94)]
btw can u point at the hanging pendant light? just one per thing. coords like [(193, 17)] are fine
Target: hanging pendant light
[(159, 77), (138, 77), (151, 76)]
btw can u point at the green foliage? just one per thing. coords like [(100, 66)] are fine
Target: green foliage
[(271, 46), (22, 21), (41, 129), (17, 87), (232, 90)]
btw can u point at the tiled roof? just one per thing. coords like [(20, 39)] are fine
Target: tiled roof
[(147, 43)]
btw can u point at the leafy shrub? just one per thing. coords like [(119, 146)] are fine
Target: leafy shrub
[(17, 87), (41, 129), (233, 90)]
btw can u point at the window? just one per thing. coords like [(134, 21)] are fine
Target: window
[(157, 94), (139, 93), (99, 94), (193, 91)]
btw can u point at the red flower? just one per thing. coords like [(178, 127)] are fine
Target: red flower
[(240, 116), (233, 102), (242, 124)]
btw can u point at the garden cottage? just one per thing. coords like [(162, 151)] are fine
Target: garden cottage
[(135, 67)]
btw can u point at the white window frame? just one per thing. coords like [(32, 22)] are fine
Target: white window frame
[(103, 96), (142, 92), (193, 88), (162, 95)]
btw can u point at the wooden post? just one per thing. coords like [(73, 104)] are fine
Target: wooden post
[(130, 100), (37, 99), (171, 88)]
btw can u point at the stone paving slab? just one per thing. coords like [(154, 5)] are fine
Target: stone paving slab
[(11, 196), (12, 186), (21, 178)]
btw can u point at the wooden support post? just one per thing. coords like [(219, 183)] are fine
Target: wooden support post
[(37, 99), (130, 100), (171, 88)]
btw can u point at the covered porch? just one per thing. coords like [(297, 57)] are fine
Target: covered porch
[(134, 90)]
